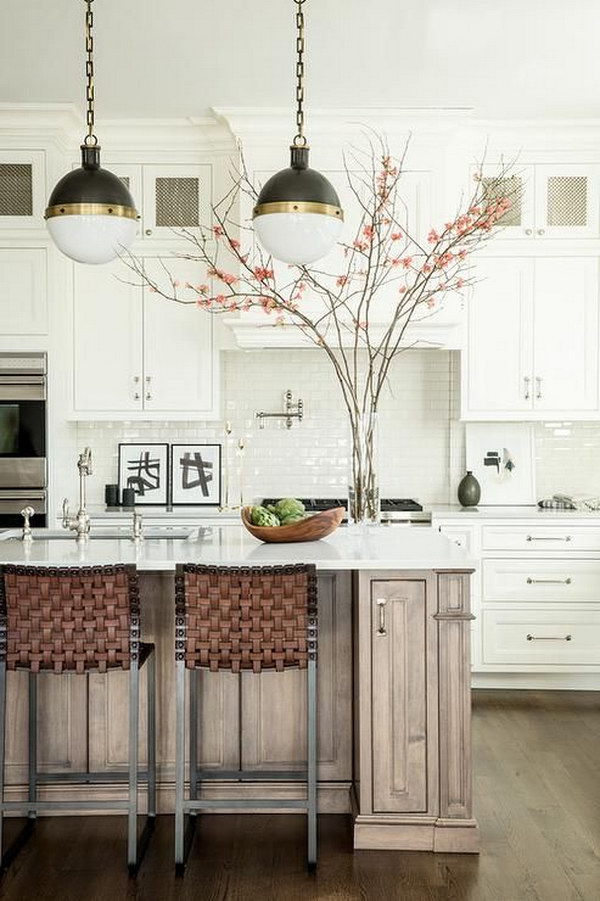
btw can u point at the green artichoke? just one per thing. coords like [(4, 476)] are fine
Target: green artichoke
[(293, 517), (260, 516), (288, 506)]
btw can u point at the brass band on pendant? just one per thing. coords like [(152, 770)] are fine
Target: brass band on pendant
[(91, 209), (298, 206)]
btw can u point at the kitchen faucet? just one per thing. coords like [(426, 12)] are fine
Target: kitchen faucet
[(80, 524)]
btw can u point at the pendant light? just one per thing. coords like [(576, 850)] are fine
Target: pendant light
[(91, 214), (297, 216)]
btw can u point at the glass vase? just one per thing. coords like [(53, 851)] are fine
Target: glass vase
[(363, 477)]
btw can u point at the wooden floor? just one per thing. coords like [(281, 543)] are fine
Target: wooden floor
[(537, 788)]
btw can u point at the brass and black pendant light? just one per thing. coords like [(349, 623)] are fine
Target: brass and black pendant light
[(91, 214), (297, 216)]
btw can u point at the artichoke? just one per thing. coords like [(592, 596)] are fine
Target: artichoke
[(288, 506), (260, 516), (293, 517)]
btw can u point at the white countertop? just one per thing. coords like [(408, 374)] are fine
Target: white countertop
[(479, 514), (376, 547)]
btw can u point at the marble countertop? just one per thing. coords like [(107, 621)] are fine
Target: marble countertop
[(479, 514), (400, 547)]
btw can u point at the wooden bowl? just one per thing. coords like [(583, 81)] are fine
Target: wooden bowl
[(310, 529)]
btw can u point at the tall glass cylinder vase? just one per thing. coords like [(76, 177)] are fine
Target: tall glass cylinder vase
[(363, 475)]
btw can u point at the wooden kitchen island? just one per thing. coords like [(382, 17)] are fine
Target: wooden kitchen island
[(394, 684)]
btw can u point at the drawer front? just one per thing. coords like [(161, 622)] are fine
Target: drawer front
[(541, 636), (541, 580), (534, 538), (461, 537)]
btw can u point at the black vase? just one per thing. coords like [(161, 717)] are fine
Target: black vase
[(469, 491)]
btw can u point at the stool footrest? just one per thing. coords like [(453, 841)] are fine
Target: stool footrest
[(117, 776), (63, 805), (248, 803), (251, 775)]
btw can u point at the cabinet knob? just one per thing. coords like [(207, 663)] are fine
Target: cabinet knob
[(528, 231), (148, 395), (136, 379), (541, 231), (136, 396), (148, 232)]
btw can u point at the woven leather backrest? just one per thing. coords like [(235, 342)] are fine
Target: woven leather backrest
[(69, 619), (246, 619)]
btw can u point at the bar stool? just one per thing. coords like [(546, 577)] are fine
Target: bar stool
[(76, 620), (258, 618)]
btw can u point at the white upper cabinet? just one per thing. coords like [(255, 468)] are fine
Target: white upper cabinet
[(497, 363), (532, 340), (136, 353), (168, 197), (22, 189), (180, 368), (107, 346), (550, 201), (23, 291), (565, 352)]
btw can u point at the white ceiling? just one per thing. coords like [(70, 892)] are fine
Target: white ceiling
[(163, 58)]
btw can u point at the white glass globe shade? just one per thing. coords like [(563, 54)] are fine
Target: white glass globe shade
[(92, 239), (298, 238)]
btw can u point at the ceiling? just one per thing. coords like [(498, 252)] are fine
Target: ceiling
[(504, 58)]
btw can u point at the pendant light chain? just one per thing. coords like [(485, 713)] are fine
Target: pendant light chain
[(299, 139), (89, 73)]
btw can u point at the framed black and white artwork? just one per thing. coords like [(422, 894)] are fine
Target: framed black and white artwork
[(145, 468), (196, 474)]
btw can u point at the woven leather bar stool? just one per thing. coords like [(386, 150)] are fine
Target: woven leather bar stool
[(257, 619), (76, 620)]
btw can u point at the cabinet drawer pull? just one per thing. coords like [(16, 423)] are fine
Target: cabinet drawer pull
[(548, 538), (382, 630), (526, 382), (531, 581), (549, 637), (538, 382), (148, 395), (136, 396)]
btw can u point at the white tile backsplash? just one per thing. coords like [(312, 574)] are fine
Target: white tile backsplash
[(422, 441)]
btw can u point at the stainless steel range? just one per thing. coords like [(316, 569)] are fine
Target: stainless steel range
[(22, 437), (393, 510)]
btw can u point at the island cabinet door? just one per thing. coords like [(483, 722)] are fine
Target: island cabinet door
[(397, 674), (274, 704)]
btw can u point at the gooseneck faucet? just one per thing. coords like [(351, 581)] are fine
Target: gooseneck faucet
[(80, 524)]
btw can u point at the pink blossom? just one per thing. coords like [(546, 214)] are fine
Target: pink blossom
[(341, 280), (433, 236), (396, 236), (261, 273), (228, 278), (202, 289), (368, 231), (402, 289), (218, 231), (459, 283), (426, 267), (234, 243), (407, 262), (359, 245)]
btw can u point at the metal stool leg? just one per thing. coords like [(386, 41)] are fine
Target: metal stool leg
[(32, 738), (134, 713), (2, 718), (180, 768), (312, 764), (151, 712), (193, 737)]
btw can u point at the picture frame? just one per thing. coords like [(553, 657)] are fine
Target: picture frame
[(144, 466), (196, 474)]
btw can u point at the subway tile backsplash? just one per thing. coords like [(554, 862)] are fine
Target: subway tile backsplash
[(421, 437)]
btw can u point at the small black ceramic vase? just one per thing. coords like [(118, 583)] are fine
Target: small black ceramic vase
[(469, 490)]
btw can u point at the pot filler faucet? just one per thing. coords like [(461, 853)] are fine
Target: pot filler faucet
[(80, 524)]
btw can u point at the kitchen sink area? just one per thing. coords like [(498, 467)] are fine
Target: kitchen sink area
[(124, 533)]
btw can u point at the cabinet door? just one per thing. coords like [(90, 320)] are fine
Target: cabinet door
[(566, 201), (178, 348), (107, 350), (518, 221), (274, 704), (566, 334), (399, 696), (497, 371), (175, 197), (23, 291), (22, 188)]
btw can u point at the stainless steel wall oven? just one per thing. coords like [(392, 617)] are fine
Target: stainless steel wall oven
[(23, 470)]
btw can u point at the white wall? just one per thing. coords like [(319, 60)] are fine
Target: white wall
[(505, 58)]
